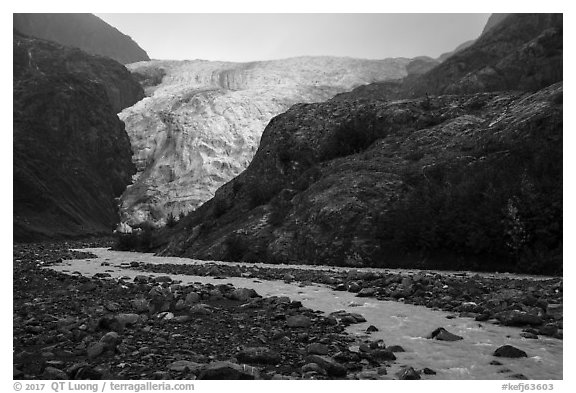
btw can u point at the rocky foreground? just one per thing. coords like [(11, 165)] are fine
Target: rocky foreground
[(73, 327)]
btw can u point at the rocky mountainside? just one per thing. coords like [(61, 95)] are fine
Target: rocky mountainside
[(493, 20), (84, 31), (467, 181), (524, 52), (72, 156), (201, 123)]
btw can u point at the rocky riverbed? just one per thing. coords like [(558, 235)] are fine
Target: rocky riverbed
[(134, 320)]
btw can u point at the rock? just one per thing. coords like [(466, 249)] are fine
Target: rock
[(110, 340), (366, 292), (296, 321), (141, 279), (482, 317), (428, 371), (243, 294), (354, 287), (260, 355), (377, 344), (395, 348), (408, 373), (84, 371), (371, 329), (317, 349), (224, 370), (54, 373), (182, 318), (529, 335), (112, 306), (444, 335), (200, 309), (508, 351), (359, 318), (382, 354), (555, 311), (192, 298), (548, 330), (518, 318), (518, 376), (95, 350), (127, 319), (332, 367), (288, 278), (313, 367), (185, 365), (382, 370), (180, 305), (140, 305)]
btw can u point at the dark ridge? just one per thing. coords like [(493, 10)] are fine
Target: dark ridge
[(72, 156), (84, 31)]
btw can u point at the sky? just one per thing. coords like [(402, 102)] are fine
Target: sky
[(250, 37)]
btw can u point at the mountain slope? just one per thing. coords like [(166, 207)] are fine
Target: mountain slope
[(460, 181), (72, 156), (522, 52), (84, 31), (201, 124), (493, 20)]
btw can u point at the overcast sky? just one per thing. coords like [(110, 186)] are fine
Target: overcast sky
[(248, 37)]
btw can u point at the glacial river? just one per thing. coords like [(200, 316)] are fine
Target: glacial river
[(398, 323)]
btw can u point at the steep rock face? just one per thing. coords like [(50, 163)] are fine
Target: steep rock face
[(202, 122), (84, 31), (72, 157), (455, 181)]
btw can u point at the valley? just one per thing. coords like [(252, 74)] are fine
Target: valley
[(304, 218)]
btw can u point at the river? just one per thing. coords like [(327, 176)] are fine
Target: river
[(398, 323)]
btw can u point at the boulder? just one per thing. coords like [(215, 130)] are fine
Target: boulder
[(408, 373), (192, 298), (54, 373), (444, 335), (508, 351), (332, 367), (366, 292), (243, 294), (313, 367)]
